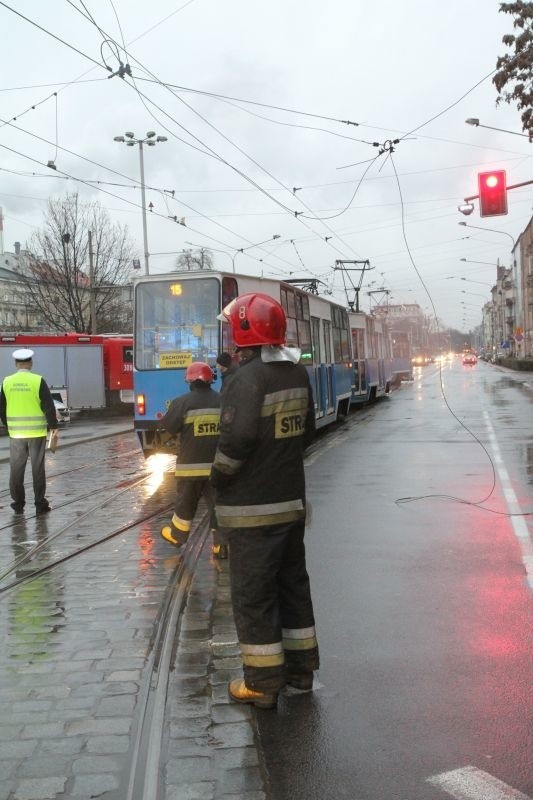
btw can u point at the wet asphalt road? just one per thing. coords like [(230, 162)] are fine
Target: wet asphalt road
[(422, 613), (423, 608)]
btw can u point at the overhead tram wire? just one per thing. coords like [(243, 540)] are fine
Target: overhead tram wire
[(49, 33), (117, 197), (400, 500), (231, 166), (387, 130), (175, 121), (122, 175), (257, 103), (456, 102)]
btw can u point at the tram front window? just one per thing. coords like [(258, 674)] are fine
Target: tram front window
[(176, 323)]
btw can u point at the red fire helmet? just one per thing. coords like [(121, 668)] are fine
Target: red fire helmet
[(256, 319), (199, 371)]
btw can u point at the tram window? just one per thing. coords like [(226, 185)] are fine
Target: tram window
[(283, 299), (315, 332), (291, 306), (229, 291), (327, 341), (305, 307), (340, 336), (304, 341), (176, 322), (292, 333)]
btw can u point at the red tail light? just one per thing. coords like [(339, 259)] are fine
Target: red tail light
[(141, 404)]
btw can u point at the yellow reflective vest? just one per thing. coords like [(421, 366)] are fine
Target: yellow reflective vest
[(25, 417)]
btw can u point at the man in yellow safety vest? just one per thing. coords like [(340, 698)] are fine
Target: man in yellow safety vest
[(27, 409)]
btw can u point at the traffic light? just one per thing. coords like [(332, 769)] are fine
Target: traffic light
[(492, 193)]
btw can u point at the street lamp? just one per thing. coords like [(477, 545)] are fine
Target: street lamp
[(492, 230), (476, 123), (150, 141), (455, 277), (471, 261), (474, 294), (242, 249)]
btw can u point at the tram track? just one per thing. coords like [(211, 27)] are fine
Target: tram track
[(97, 463), (144, 767), (15, 565)]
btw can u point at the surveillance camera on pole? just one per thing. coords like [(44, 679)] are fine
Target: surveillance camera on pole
[(466, 208)]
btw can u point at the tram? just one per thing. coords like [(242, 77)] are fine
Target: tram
[(176, 323), (373, 366)]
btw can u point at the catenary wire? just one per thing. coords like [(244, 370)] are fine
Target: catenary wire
[(479, 503), (246, 177)]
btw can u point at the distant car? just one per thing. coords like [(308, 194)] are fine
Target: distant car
[(469, 360), (62, 411)]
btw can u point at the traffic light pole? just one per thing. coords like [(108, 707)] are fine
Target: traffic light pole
[(514, 186)]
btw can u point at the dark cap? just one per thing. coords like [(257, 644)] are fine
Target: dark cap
[(224, 359)]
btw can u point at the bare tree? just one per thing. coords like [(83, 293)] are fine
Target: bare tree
[(58, 276), (515, 70), (195, 259)]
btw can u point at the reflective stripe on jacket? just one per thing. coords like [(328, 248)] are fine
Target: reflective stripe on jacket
[(267, 418), (195, 416), (24, 414)]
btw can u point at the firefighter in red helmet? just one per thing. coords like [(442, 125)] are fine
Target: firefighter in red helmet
[(267, 418), (195, 417)]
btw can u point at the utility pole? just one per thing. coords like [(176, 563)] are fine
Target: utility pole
[(92, 298), (143, 202), (340, 264)]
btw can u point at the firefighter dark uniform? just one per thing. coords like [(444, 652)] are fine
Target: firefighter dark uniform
[(27, 408), (195, 417), (267, 418)]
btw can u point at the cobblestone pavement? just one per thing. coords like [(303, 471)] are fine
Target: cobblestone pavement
[(75, 641)]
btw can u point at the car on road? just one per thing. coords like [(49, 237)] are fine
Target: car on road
[(469, 360), (62, 410)]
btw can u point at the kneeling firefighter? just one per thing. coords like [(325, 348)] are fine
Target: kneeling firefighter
[(267, 418), (195, 417)]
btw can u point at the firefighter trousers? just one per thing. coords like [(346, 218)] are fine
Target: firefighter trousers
[(189, 492), (272, 605)]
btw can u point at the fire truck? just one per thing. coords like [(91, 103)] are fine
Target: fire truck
[(86, 371)]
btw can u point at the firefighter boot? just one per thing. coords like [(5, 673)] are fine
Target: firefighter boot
[(240, 693), (174, 536), (220, 551), (300, 680)]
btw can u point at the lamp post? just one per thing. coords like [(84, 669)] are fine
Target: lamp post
[(477, 124), (242, 249), (492, 230), (458, 278), (474, 294), (150, 141), (471, 261)]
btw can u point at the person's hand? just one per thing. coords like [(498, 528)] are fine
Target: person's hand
[(54, 433)]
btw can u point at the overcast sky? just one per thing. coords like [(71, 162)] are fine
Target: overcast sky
[(388, 66)]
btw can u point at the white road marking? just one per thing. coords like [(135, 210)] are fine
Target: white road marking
[(470, 783), (518, 521)]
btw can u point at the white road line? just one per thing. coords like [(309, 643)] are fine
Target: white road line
[(518, 521), (470, 783)]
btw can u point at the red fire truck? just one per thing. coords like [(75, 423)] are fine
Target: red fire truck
[(87, 371)]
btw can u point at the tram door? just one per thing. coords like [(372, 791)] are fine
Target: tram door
[(328, 369), (316, 374)]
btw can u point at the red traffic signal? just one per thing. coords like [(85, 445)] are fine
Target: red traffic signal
[(492, 193)]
